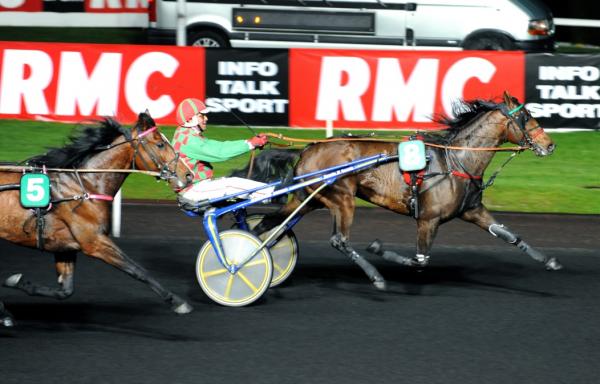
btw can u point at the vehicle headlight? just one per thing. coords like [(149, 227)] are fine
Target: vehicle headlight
[(542, 27)]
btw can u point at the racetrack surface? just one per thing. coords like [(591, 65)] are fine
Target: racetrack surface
[(481, 312)]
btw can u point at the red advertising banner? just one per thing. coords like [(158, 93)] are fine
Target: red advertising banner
[(21, 5), (74, 82), (394, 89)]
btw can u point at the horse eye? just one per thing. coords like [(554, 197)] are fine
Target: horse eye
[(160, 145)]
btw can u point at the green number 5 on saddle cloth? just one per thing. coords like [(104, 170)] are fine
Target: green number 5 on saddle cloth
[(35, 190), (411, 155)]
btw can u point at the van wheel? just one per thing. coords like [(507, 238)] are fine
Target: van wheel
[(207, 39), (489, 42)]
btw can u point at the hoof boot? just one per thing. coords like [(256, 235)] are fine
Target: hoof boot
[(375, 247), (553, 265)]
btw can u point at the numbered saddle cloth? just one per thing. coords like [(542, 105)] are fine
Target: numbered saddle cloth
[(411, 156)]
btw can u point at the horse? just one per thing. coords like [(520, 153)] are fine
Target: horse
[(82, 185), (451, 185)]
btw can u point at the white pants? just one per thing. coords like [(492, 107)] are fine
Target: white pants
[(224, 186)]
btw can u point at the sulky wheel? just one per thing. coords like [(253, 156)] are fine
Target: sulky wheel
[(284, 253), (246, 285)]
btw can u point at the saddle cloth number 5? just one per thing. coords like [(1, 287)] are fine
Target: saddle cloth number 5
[(411, 155), (35, 190)]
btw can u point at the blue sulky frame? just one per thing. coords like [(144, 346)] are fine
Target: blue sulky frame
[(325, 176)]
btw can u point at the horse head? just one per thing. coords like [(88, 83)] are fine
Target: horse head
[(154, 153), (524, 130)]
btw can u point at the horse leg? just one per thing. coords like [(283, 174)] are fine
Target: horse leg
[(65, 269), (6, 319), (426, 231), (481, 217), (343, 215), (103, 248)]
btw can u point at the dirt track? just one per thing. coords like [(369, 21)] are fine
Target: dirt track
[(482, 312)]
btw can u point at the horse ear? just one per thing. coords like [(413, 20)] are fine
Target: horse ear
[(145, 121), (507, 98)]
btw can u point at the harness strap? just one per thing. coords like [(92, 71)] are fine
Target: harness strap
[(85, 196), (464, 175), (408, 177), (40, 222), (94, 196), (9, 187)]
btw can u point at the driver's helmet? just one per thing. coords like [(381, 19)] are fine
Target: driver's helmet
[(187, 112)]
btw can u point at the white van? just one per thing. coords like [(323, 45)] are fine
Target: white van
[(378, 24)]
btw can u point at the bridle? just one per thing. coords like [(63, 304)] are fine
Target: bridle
[(519, 116), (166, 170)]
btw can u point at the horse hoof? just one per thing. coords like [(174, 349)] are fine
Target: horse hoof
[(183, 309), (420, 261), (380, 285), (553, 265), (375, 247), (13, 280), (7, 322)]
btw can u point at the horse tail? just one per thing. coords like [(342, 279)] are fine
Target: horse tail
[(270, 165)]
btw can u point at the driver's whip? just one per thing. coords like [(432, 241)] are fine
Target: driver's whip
[(237, 117)]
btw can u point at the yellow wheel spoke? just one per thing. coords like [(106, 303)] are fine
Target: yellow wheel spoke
[(248, 282), (255, 262), (277, 267), (281, 244), (215, 272), (228, 287)]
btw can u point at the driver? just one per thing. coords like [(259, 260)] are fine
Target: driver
[(198, 153)]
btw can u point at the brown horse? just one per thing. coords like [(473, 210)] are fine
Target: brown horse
[(78, 216), (450, 187)]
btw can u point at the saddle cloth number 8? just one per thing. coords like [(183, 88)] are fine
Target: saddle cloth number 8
[(411, 155)]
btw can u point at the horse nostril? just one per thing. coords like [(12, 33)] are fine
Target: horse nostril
[(189, 177), (551, 148)]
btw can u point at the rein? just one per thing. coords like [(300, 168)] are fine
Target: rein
[(393, 140), (23, 168)]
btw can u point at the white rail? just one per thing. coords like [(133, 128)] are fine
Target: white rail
[(563, 22)]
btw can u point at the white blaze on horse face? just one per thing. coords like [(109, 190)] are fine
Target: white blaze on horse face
[(333, 94), (458, 75), (76, 87), (394, 93), (137, 80), (16, 85)]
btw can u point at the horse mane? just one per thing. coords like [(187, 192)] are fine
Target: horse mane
[(270, 165), (464, 111), (86, 141)]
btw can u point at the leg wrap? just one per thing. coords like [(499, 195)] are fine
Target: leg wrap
[(502, 232), (499, 230), (376, 247), (339, 243), (32, 289)]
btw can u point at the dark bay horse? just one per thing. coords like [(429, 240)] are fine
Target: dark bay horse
[(79, 214), (450, 187)]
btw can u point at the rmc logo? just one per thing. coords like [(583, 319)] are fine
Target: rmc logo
[(71, 82), (395, 89)]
